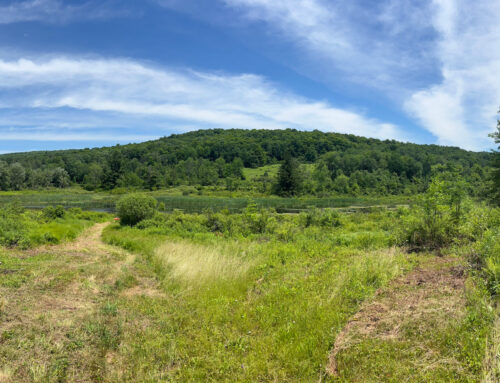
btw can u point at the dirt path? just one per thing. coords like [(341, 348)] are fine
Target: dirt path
[(431, 295), (60, 315)]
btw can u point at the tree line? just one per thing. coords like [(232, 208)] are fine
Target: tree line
[(321, 163)]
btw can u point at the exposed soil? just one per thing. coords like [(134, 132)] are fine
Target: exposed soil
[(435, 289)]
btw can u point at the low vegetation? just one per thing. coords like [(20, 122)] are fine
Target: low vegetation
[(28, 228), (263, 296)]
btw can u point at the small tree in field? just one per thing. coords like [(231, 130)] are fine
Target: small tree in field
[(133, 208), (434, 221)]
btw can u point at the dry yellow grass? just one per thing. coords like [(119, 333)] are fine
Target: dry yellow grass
[(197, 264), (492, 359)]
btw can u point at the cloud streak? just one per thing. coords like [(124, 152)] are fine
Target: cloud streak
[(55, 11), (174, 98), (461, 109), (440, 57), (372, 47)]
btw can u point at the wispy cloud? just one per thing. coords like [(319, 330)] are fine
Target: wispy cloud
[(440, 57), (461, 109), (56, 11), (371, 47), (175, 98)]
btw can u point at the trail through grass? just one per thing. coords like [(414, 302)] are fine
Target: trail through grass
[(417, 329), (176, 301), (59, 318)]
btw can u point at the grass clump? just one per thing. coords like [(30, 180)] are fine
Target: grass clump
[(196, 264)]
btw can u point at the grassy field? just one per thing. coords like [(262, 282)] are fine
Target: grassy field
[(250, 297)]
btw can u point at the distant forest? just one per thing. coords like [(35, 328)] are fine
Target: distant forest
[(328, 163)]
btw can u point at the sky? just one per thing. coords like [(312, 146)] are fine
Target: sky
[(87, 73)]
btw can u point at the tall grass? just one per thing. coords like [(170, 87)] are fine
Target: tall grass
[(253, 307), (197, 264)]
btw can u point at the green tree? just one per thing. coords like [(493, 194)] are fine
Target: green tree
[(4, 176), (60, 178), (289, 177), (321, 175), (93, 178), (236, 168), (496, 165), (341, 184), (130, 180), (17, 175)]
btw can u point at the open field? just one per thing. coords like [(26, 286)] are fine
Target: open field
[(250, 297)]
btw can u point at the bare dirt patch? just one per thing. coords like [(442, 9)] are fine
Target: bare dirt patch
[(432, 291)]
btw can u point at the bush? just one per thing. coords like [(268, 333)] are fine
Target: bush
[(435, 220), (50, 212), (486, 258), (321, 217), (133, 208)]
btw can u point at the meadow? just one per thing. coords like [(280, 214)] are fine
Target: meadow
[(253, 296)]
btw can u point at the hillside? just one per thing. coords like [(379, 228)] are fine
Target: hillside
[(338, 163)]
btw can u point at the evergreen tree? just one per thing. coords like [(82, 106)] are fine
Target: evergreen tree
[(496, 165), (289, 178)]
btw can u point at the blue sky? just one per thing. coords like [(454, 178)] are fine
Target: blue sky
[(87, 73)]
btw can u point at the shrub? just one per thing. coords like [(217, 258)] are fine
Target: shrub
[(321, 217), (486, 258), (435, 220), (133, 208), (50, 212)]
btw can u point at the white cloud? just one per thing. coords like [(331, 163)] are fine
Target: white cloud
[(368, 45), (54, 11), (461, 110), (175, 98), (404, 47)]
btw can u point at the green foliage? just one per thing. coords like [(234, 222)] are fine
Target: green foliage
[(279, 317), (289, 177), (133, 208), (28, 228), (331, 163), (434, 221), (321, 217), (495, 192), (485, 257), (13, 227), (51, 212)]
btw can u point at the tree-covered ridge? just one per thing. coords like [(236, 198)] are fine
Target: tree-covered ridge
[(341, 163)]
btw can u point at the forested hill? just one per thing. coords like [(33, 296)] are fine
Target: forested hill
[(340, 163)]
